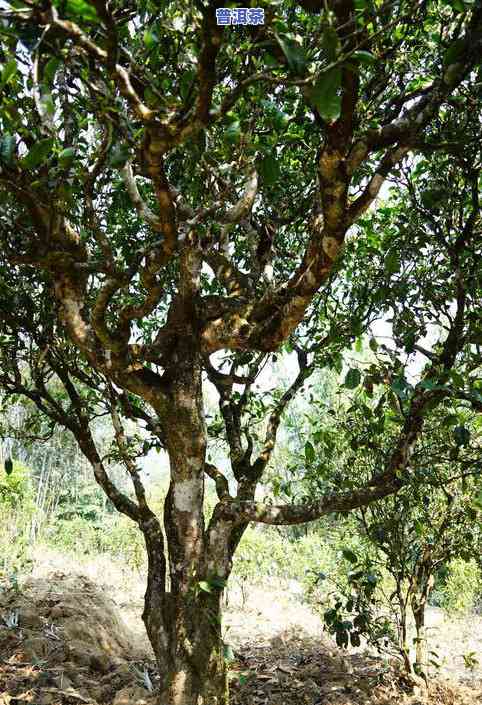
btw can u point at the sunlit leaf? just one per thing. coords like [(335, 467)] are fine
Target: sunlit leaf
[(353, 378), (325, 94), (38, 154)]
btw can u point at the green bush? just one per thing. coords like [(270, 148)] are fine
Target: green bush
[(123, 540), (117, 536), (75, 535), (17, 508), (265, 553), (16, 489), (463, 586)]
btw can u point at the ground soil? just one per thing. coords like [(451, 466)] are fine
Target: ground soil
[(71, 633)]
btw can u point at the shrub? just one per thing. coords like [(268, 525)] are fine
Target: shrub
[(463, 586), (16, 489), (266, 553)]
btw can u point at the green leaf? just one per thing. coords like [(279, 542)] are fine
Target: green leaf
[(233, 132), (310, 454), (218, 583), (150, 39), (331, 43), (274, 115), (270, 60), (66, 157), (353, 378), (329, 616), (269, 169), (365, 57), (459, 5), (373, 345), (7, 149), (457, 379), (51, 68), (9, 71), (228, 653), (349, 556), (38, 154), (355, 639), (325, 94), (401, 387), (294, 54), (186, 82), (342, 639), (430, 384), (418, 526), (461, 435), (450, 420), (205, 586), (392, 263), (83, 10)]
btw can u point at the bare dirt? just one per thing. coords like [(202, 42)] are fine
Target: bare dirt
[(71, 638), (62, 641)]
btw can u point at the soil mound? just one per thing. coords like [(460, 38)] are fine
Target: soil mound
[(61, 641)]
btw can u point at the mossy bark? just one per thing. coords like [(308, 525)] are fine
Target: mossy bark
[(186, 638), (184, 624)]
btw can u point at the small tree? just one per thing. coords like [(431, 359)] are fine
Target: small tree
[(412, 537), (175, 201), (418, 533)]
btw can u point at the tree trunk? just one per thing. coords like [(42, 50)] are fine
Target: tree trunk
[(184, 625), (421, 649), (197, 673), (403, 636), (424, 584), (189, 649)]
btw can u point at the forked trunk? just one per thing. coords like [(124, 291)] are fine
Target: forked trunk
[(184, 624)]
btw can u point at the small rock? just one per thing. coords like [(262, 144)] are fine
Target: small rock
[(30, 619), (133, 695)]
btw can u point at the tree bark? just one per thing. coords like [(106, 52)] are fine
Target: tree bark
[(420, 649), (189, 650), (184, 624), (403, 636), (424, 581)]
